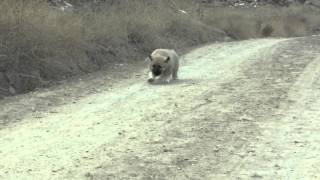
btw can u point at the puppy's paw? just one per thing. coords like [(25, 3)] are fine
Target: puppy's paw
[(166, 81), (150, 80)]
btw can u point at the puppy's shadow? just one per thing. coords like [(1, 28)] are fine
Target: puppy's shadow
[(177, 82)]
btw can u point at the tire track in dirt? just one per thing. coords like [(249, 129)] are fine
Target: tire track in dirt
[(286, 138), (297, 146)]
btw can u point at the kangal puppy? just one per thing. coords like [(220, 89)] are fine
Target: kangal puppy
[(164, 65)]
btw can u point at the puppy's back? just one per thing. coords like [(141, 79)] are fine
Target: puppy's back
[(164, 52)]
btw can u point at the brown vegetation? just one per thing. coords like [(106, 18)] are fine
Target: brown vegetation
[(39, 43), (244, 23)]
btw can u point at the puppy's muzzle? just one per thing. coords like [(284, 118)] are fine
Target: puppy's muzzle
[(156, 72)]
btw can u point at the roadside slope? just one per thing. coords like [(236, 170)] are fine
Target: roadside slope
[(212, 123)]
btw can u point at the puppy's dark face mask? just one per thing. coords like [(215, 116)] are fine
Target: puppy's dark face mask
[(156, 69), (158, 65)]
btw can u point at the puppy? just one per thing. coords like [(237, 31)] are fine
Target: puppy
[(164, 65)]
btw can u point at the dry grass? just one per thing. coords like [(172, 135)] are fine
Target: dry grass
[(242, 23), (39, 43)]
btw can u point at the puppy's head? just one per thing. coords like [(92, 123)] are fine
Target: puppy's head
[(158, 64)]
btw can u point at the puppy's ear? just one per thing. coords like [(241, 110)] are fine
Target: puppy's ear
[(167, 60), (149, 58)]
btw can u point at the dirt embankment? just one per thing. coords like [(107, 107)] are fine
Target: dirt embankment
[(240, 110)]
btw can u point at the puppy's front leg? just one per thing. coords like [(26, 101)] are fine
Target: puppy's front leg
[(166, 78), (151, 77)]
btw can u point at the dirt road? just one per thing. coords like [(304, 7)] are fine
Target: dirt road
[(241, 110)]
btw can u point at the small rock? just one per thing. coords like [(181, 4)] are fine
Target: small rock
[(246, 118), (98, 167), (12, 90), (88, 175), (297, 142), (216, 150), (277, 166), (167, 150), (255, 175), (56, 170), (38, 116)]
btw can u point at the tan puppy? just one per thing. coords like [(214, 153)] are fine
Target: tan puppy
[(164, 64)]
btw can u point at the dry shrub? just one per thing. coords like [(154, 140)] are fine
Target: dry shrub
[(30, 34), (242, 23), (40, 43), (266, 30), (287, 26), (237, 23)]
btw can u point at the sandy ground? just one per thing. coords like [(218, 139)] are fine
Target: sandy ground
[(240, 110)]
